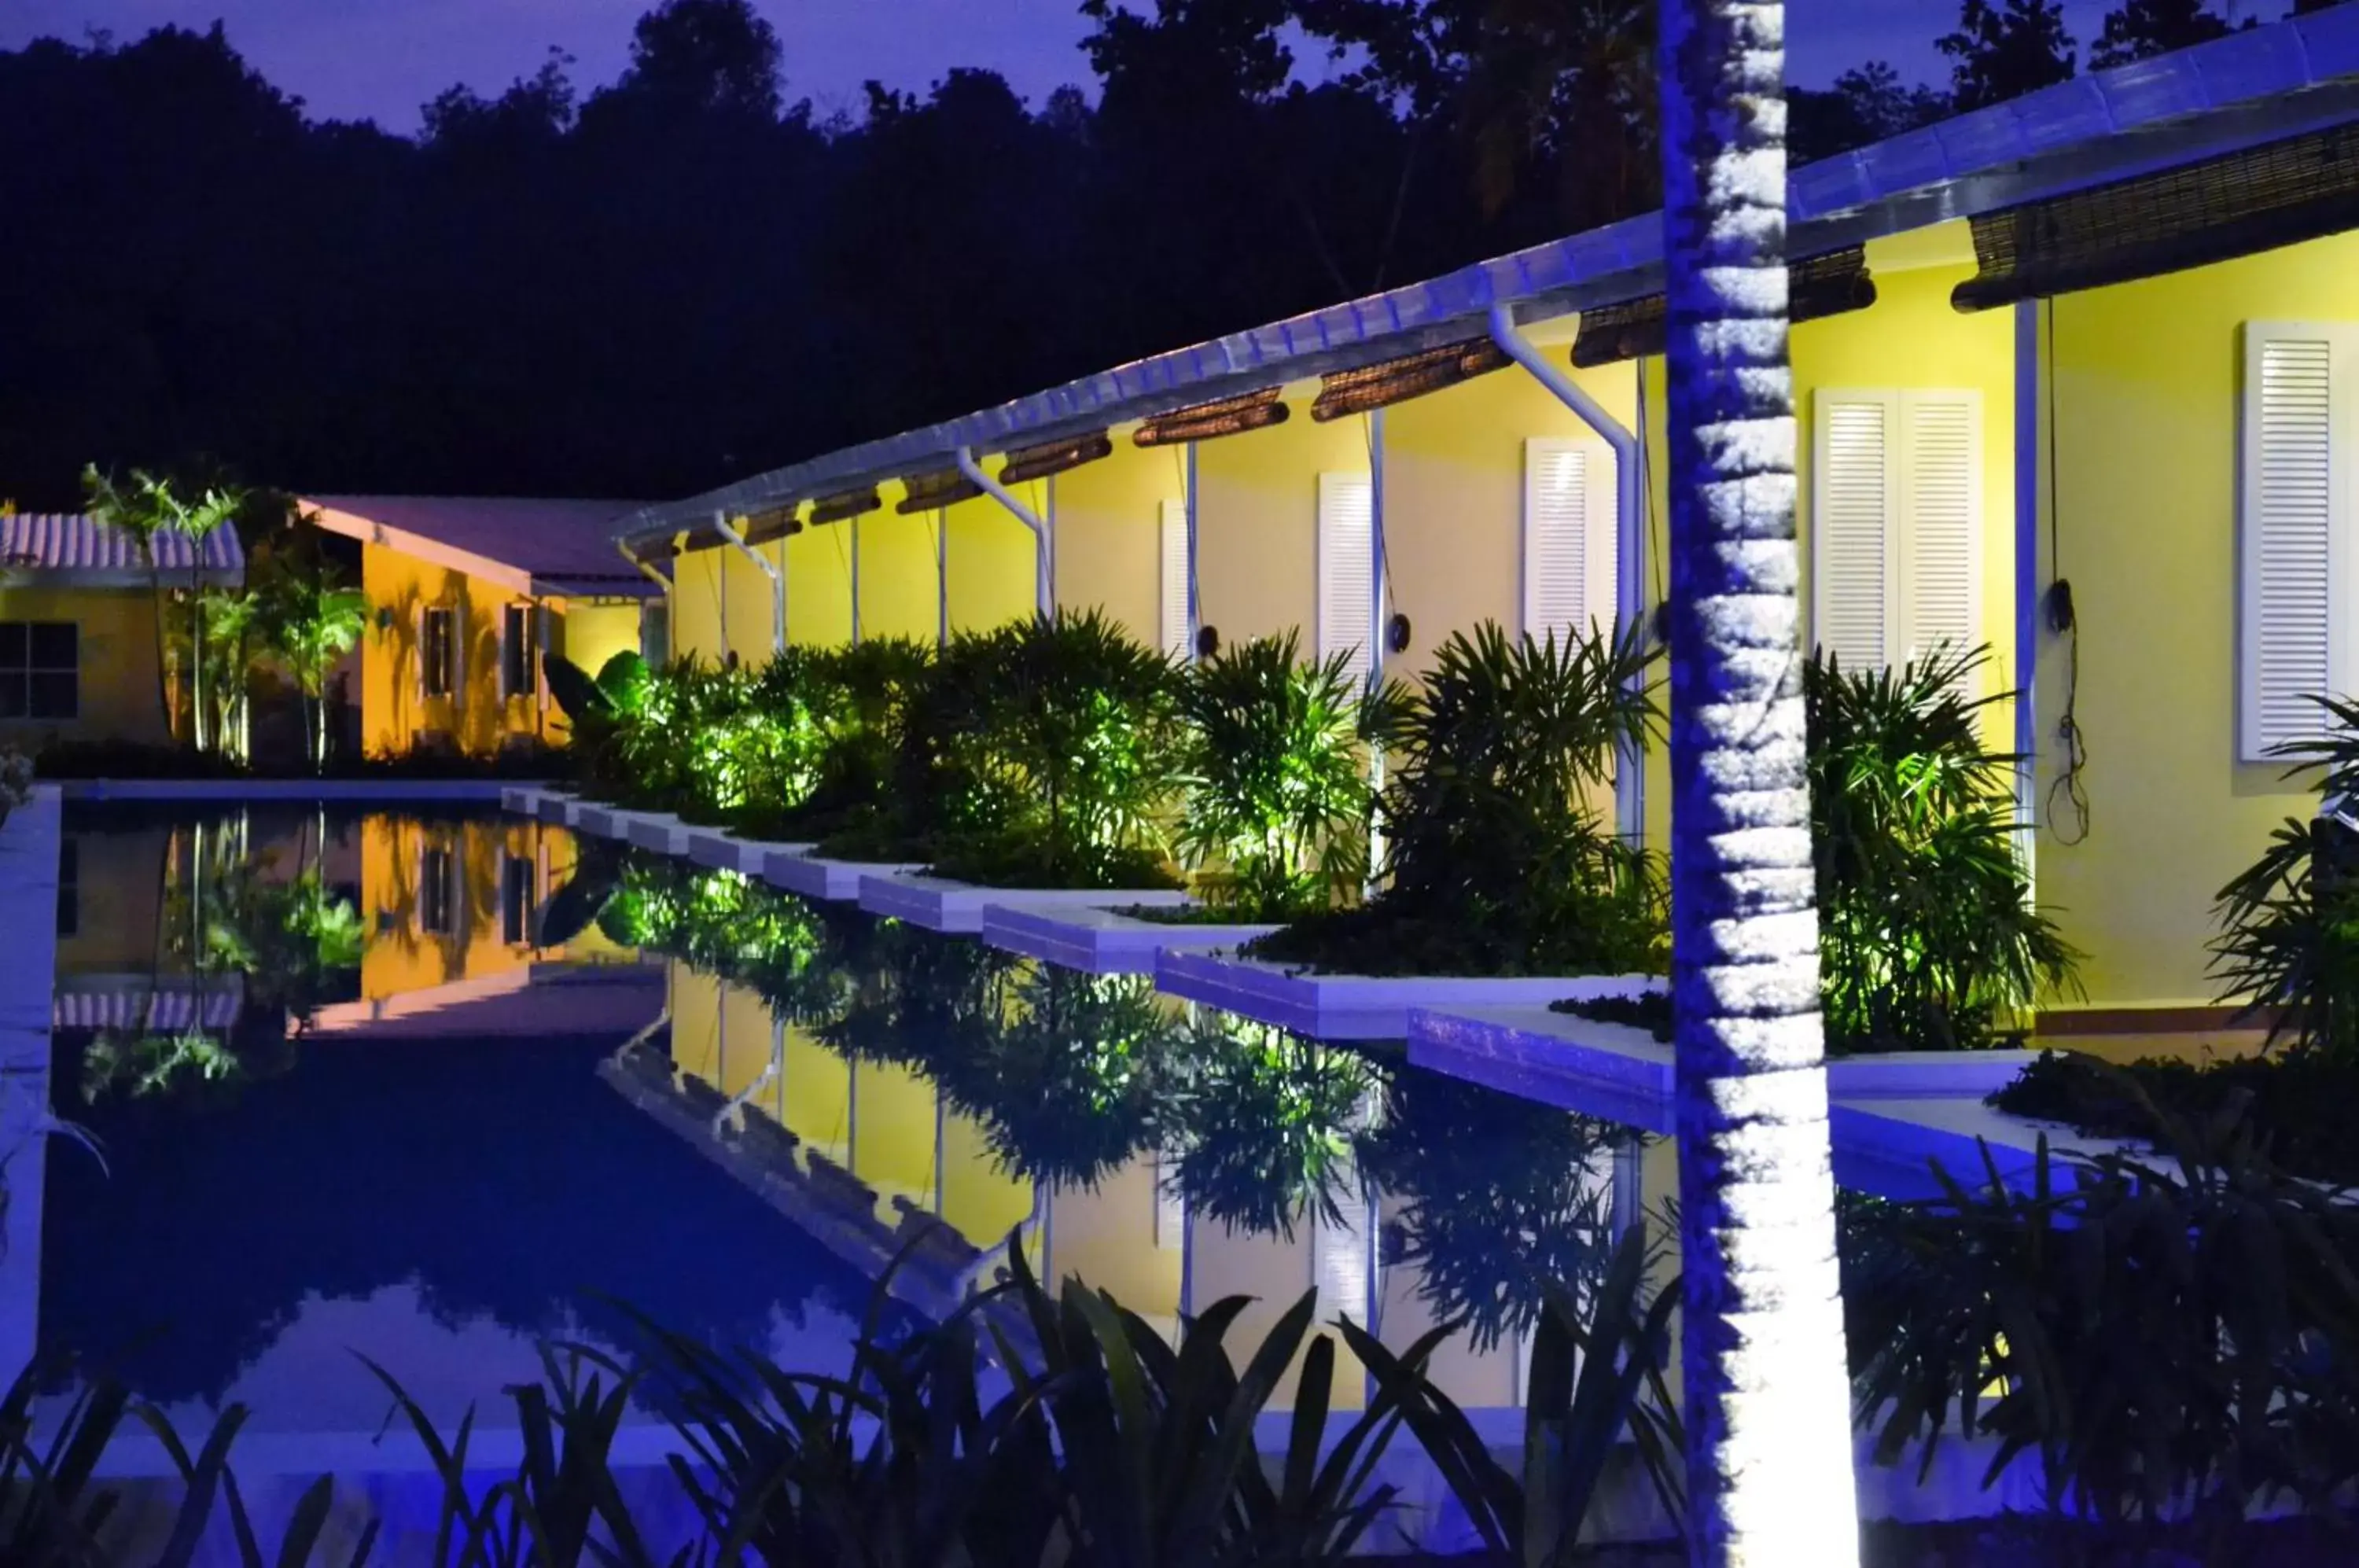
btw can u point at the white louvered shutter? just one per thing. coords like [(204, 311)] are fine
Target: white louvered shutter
[(2294, 523), (1940, 539), (1175, 572), (1569, 545), (1856, 502), (1346, 569)]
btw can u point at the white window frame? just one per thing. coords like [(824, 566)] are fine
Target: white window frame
[(26, 673), (2271, 705), (1599, 543), (525, 613), (1358, 634), (1900, 542)]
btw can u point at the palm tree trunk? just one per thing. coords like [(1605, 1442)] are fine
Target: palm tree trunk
[(1769, 1451)]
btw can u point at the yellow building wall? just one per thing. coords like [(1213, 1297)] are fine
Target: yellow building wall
[(1109, 543), (897, 575), (751, 613), (993, 565), (2147, 379), (695, 1022), (119, 894), (1257, 520), (119, 698), (1106, 1234), (698, 607), (394, 710), (401, 956), (1454, 496), (594, 633), (745, 1040), (818, 586)]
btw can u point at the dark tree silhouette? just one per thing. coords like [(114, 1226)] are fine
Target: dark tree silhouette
[(1866, 104), (2142, 29), (2007, 48)]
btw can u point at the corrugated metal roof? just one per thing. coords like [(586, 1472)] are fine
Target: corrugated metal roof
[(169, 1007), (2237, 92), (75, 542)]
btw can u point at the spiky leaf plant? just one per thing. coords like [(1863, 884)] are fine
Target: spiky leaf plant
[(2289, 943), (1928, 938), (1280, 794), (1499, 859)]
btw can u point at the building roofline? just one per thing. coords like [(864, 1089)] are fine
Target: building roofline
[(2243, 91)]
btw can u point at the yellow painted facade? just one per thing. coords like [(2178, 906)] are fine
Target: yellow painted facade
[(2146, 399), (991, 564), (590, 634), (1257, 520), (118, 696), (897, 573), (819, 587), (1109, 520)]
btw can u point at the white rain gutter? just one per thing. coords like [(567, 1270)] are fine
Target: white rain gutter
[(1629, 537), (778, 579), (650, 572), (1044, 592)]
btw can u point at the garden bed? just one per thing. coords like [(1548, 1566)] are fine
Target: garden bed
[(1103, 941), (1357, 1007), (1620, 1070), (940, 904)]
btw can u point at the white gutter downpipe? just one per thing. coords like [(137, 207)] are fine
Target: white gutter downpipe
[(1045, 578), (1630, 536), (650, 572), (777, 580)]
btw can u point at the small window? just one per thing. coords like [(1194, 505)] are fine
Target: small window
[(516, 901), (68, 887), (655, 633), (518, 668), (438, 893), (41, 670), (437, 652)]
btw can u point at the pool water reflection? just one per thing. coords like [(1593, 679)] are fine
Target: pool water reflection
[(438, 1089)]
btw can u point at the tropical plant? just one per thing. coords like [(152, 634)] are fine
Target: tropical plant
[(1062, 738), (308, 620), (1929, 939), (2169, 1338), (148, 508), (1596, 1377), (1279, 785), (861, 697), (2289, 945), (1498, 859), (1769, 1459)]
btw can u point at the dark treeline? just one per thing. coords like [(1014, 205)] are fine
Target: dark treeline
[(685, 275)]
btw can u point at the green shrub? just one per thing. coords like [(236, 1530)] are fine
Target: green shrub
[(2288, 943), (1927, 936), (2301, 1104), (1280, 794), (1055, 756), (2170, 1338), (1498, 860)]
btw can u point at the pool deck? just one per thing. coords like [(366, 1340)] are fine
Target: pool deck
[(1101, 939), (940, 904), (1357, 1007)]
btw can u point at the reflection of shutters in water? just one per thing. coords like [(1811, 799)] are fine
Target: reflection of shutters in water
[(516, 901), (1346, 570), (1896, 524), (2294, 530), (1173, 614), (438, 893), (1569, 548)]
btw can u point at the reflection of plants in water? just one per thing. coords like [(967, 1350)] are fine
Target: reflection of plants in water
[(647, 906), (1500, 1197), (1264, 1124), (1071, 1076), (143, 1064), (920, 1000)]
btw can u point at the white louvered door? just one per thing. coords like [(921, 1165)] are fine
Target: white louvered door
[(1897, 524), (1855, 496), (1346, 569), (1570, 548), (1173, 611), (1940, 565), (2294, 523)]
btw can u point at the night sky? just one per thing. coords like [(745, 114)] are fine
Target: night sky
[(381, 59)]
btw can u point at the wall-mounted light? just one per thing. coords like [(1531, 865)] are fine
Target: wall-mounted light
[(1208, 641), (1396, 633), (385, 618)]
